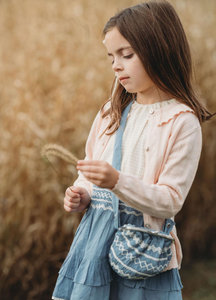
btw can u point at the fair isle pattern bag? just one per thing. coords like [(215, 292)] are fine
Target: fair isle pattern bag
[(137, 252)]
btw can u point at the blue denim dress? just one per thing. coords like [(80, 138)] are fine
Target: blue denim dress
[(86, 273)]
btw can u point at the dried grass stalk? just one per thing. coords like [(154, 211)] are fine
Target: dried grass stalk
[(56, 150)]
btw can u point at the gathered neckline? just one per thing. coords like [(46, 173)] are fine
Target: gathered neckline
[(153, 105)]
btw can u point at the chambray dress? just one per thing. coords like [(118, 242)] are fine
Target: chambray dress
[(86, 273)]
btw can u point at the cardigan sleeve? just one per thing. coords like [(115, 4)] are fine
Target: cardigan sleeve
[(165, 198), (89, 148)]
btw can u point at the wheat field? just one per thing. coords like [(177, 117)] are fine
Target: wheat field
[(54, 76)]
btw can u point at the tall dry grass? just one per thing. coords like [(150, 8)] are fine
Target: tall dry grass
[(54, 76)]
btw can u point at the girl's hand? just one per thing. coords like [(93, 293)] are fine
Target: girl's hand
[(76, 199), (99, 173)]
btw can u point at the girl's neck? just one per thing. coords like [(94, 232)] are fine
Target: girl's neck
[(152, 96)]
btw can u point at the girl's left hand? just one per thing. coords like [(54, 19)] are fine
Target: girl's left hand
[(99, 173)]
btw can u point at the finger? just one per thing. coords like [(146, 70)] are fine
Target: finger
[(71, 204), (90, 168), (71, 192), (93, 176), (90, 162), (68, 209), (80, 190), (72, 199)]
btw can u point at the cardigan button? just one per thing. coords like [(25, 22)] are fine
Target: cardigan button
[(146, 148), (147, 225), (151, 111)]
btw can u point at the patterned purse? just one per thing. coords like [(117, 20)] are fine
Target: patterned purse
[(137, 252)]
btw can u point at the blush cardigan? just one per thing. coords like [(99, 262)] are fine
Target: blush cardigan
[(172, 153)]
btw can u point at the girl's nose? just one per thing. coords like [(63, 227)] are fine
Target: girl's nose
[(117, 66)]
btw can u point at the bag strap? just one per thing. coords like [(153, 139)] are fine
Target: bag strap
[(116, 162)]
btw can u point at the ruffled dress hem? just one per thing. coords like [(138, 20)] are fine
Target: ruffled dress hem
[(165, 282), (86, 271)]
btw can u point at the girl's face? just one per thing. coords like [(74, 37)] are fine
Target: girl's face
[(127, 65)]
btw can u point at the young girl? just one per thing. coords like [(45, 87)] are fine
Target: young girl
[(160, 151)]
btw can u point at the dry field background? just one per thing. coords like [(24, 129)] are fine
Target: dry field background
[(54, 76)]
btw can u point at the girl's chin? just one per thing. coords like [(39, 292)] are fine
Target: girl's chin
[(129, 90)]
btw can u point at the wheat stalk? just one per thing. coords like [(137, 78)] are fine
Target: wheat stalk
[(56, 150)]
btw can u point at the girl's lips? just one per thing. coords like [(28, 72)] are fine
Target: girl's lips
[(122, 79)]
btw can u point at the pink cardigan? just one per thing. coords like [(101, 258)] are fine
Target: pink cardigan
[(172, 153)]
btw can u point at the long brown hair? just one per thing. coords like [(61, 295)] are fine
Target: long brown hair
[(155, 33)]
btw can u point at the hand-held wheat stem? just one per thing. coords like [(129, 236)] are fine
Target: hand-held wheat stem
[(56, 150), (59, 151)]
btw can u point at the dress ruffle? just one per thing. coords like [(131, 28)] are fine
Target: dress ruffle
[(86, 271), (98, 273), (166, 285)]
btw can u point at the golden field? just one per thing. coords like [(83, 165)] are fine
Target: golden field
[(54, 76)]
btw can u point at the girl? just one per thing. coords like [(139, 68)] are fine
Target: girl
[(161, 148)]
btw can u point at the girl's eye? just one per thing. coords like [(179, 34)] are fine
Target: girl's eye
[(128, 56)]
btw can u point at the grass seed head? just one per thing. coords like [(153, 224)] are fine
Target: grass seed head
[(59, 151)]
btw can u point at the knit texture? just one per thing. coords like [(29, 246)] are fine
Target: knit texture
[(133, 144)]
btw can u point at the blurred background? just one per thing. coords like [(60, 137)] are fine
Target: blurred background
[(54, 76)]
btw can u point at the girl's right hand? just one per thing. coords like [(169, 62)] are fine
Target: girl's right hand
[(76, 199)]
